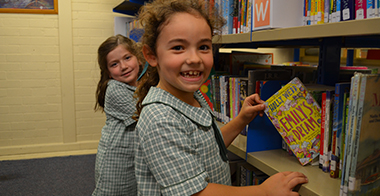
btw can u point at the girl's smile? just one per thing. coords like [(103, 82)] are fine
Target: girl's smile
[(184, 55), (123, 66)]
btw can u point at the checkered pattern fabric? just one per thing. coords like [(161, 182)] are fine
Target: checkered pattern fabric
[(176, 150), (114, 167)]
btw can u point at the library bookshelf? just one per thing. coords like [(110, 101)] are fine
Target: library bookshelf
[(330, 38)]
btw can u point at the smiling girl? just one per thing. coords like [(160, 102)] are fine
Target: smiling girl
[(180, 150), (120, 61)]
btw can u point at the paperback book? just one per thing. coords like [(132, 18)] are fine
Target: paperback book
[(297, 117)]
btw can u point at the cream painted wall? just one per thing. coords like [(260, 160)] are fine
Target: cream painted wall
[(48, 77)]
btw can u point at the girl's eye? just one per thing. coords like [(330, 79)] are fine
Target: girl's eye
[(177, 48), (204, 47), (127, 57), (113, 64)]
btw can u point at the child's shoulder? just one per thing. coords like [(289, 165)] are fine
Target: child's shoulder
[(114, 84)]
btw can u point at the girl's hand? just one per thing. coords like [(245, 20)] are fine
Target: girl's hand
[(252, 106), (282, 184)]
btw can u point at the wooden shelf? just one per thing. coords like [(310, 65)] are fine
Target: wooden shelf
[(365, 27), (356, 33), (274, 161)]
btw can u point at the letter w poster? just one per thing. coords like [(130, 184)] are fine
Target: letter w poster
[(261, 13), (297, 117)]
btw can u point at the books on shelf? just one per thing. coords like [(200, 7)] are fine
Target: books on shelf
[(363, 173), (297, 117), (337, 129)]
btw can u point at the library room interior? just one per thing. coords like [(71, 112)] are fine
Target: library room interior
[(314, 63)]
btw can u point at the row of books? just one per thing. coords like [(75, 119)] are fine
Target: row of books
[(345, 132), (244, 16), (328, 11), (350, 126)]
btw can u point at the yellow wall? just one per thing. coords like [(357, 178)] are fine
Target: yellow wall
[(48, 77)]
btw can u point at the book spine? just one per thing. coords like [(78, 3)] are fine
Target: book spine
[(323, 121), (309, 16), (360, 9), (327, 137), (320, 6), (222, 98), (227, 100), (216, 97), (356, 136), (232, 97), (235, 16), (334, 11), (348, 10), (334, 158), (340, 90), (355, 82), (343, 141), (237, 97), (370, 9), (338, 10), (243, 94), (326, 11)]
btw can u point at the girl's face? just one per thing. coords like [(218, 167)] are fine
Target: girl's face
[(123, 66), (184, 54)]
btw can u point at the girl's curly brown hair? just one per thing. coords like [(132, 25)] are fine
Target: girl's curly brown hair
[(153, 17)]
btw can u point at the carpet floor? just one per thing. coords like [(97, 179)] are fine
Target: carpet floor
[(60, 176)]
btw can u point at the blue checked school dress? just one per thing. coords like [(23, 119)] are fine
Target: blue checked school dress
[(114, 167), (176, 150)]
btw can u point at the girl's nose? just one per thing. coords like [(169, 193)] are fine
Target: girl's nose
[(193, 58), (123, 65)]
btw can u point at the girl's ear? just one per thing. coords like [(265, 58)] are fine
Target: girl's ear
[(149, 56)]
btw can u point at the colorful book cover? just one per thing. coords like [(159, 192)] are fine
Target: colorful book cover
[(364, 176), (297, 117)]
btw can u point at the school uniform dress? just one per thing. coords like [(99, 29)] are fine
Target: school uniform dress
[(176, 150), (114, 167)]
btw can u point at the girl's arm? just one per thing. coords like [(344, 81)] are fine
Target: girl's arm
[(280, 184), (252, 106)]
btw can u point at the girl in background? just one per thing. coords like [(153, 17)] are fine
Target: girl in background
[(120, 61), (180, 150)]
